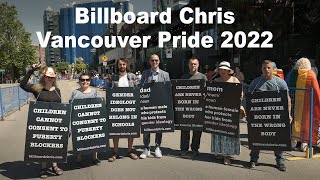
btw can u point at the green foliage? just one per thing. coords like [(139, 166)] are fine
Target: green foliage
[(80, 66), (62, 67), (16, 51), (94, 65)]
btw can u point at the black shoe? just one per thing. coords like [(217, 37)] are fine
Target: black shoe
[(195, 152), (281, 167), (183, 152), (252, 164)]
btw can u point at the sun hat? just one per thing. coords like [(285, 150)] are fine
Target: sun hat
[(49, 72), (226, 65)]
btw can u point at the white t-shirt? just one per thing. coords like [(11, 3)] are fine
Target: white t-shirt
[(123, 81)]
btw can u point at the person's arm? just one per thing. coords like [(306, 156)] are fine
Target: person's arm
[(143, 78), (289, 108), (241, 77), (95, 93), (24, 82), (72, 96), (167, 77)]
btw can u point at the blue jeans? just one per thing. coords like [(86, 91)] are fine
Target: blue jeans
[(146, 140), (254, 154)]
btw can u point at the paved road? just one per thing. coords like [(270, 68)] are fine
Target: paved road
[(171, 166)]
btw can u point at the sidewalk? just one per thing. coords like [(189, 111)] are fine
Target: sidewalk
[(171, 166)]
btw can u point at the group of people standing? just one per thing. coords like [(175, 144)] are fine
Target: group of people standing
[(223, 147)]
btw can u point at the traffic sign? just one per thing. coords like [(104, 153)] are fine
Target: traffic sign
[(104, 58)]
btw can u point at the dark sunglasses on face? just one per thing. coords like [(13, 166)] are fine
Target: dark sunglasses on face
[(154, 60), (49, 77), (83, 80)]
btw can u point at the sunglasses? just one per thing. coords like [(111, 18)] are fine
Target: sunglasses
[(83, 80), (49, 77), (154, 60)]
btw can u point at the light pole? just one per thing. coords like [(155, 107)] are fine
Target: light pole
[(163, 28)]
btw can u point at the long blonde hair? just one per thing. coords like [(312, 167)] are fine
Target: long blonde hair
[(302, 63), (39, 86)]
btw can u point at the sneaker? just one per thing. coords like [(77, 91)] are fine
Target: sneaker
[(195, 152), (252, 164), (281, 167), (304, 147), (145, 153), (183, 153), (157, 153), (226, 160)]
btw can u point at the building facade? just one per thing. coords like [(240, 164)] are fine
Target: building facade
[(40, 54), (69, 28), (51, 22)]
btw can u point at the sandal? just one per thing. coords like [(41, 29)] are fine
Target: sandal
[(43, 173), (132, 155), (97, 162), (57, 170), (113, 157)]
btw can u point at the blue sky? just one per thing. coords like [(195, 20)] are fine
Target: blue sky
[(30, 12)]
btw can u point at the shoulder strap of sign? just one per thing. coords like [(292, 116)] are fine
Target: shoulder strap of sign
[(38, 96), (256, 85), (57, 94)]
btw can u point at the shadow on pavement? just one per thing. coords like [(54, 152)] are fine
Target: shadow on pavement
[(20, 170), (205, 157)]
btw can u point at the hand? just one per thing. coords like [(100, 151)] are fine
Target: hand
[(35, 66), (290, 117)]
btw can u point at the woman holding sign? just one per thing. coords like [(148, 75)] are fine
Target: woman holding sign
[(45, 90), (85, 91), (223, 146)]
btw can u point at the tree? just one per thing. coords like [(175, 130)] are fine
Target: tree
[(16, 51), (80, 66), (62, 67)]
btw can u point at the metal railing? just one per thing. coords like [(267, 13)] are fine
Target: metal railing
[(11, 99)]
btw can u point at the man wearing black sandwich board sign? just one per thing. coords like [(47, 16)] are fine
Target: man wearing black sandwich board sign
[(156, 106), (268, 106), (123, 106), (47, 132), (188, 95)]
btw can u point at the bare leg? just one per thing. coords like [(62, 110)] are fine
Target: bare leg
[(115, 144), (130, 143)]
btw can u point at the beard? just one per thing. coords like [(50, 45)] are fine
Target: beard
[(122, 69)]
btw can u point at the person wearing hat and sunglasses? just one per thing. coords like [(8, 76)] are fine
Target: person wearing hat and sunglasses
[(85, 91), (45, 90), (224, 146)]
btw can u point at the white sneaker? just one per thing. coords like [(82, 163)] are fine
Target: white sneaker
[(145, 153), (157, 153), (304, 147)]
